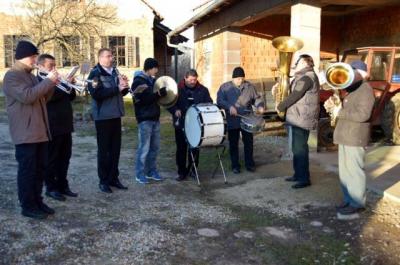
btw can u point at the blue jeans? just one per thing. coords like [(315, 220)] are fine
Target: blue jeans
[(149, 146)]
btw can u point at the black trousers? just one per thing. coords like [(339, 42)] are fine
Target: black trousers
[(108, 149), (59, 155), (182, 152), (300, 154), (32, 162), (247, 138)]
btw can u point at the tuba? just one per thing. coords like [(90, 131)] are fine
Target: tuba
[(286, 46), (338, 76)]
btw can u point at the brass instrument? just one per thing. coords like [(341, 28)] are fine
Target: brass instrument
[(338, 76), (172, 91), (64, 85), (286, 46)]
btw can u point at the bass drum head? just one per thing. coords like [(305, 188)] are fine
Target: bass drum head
[(192, 127)]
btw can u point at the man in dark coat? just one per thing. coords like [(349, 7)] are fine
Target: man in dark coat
[(147, 113), (60, 115), (29, 127), (352, 134), (237, 97), (107, 92), (190, 92)]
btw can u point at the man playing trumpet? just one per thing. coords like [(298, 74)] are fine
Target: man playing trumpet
[(352, 134), (60, 114), (29, 126), (107, 91)]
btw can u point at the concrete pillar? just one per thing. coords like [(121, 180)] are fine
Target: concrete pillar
[(231, 54), (305, 24)]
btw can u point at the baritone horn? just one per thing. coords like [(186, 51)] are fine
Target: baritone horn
[(286, 46), (338, 76)]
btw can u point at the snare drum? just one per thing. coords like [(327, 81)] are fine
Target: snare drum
[(205, 125), (252, 123)]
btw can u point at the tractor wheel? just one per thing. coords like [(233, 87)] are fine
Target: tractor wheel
[(390, 120), (325, 135)]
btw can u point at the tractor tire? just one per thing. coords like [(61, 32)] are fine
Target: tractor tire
[(325, 135), (390, 121)]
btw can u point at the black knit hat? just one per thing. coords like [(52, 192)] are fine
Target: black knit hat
[(150, 63), (238, 72), (25, 49)]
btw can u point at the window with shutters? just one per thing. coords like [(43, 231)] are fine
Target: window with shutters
[(10, 43), (70, 54), (117, 46), (137, 55)]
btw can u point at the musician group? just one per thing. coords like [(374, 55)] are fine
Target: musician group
[(41, 122)]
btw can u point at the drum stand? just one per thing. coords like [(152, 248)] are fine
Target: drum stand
[(193, 166)]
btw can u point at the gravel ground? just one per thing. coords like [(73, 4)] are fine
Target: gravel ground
[(254, 219)]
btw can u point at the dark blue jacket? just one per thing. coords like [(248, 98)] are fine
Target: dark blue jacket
[(145, 100), (186, 98), (59, 111), (242, 98), (107, 100)]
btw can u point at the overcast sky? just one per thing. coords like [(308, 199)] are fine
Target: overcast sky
[(175, 12)]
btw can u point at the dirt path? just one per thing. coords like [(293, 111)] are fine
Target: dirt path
[(255, 219)]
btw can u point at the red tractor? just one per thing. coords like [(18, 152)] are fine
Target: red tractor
[(384, 77)]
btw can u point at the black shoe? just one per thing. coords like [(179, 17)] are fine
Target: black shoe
[(46, 209), (181, 178), (291, 179), (349, 210), (301, 185), (105, 188), (35, 214), (251, 169), (342, 205), (236, 170), (118, 185), (55, 195), (68, 192)]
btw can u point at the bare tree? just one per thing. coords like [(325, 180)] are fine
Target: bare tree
[(63, 22)]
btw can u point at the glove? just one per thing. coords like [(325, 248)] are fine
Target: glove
[(162, 92)]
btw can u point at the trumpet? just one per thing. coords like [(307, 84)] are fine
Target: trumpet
[(64, 85)]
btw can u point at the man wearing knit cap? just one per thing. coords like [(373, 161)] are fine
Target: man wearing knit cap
[(29, 126), (147, 113), (237, 97), (352, 134)]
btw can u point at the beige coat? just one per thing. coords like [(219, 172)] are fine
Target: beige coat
[(353, 125), (26, 105)]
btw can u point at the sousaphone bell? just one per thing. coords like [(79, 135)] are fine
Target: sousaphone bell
[(172, 91)]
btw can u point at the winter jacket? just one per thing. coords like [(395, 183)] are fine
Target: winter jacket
[(302, 104), (186, 97), (107, 100), (145, 100), (353, 121), (26, 105), (242, 98)]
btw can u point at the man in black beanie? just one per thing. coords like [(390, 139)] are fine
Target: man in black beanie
[(29, 127), (237, 97), (147, 113)]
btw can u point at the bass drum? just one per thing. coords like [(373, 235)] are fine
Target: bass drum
[(205, 125)]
